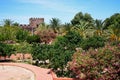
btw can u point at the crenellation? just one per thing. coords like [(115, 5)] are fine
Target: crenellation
[(33, 23)]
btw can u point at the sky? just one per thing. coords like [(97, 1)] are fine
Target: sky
[(21, 10)]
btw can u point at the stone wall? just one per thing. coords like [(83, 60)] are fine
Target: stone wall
[(33, 23)]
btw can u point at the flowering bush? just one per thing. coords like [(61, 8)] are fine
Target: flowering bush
[(97, 64)]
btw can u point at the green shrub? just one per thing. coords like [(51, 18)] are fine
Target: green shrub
[(40, 51), (69, 41), (22, 35), (8, 33), (23, 47), (59, 53), (6, 50), (73, 39), (93, 42), (62, 52), (33, 38)]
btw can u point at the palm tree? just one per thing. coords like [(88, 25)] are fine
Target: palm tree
[(55, 24), (98, 27), (114, 32), (65, 28), (7, 22), (83, 28)]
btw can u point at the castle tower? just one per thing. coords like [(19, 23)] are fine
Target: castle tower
[(35, 22)]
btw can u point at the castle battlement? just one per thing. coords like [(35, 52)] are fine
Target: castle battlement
[(36, 19), (33, 23)]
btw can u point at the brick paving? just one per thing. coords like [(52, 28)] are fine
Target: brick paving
[(40, 73)]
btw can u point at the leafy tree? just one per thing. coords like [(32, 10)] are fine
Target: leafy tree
[(114, 19), (113, 25), (7, 22), (82, 17)]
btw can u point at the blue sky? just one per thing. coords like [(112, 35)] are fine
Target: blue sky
[(21, 10)]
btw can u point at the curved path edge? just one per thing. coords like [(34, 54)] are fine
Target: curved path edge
[(40, 73)]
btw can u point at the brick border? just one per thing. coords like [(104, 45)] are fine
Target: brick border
[(40, 73)]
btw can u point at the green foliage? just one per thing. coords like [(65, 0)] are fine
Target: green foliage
[(73, 39), (114, 19), (93, 42), (63, 50), (59, 60), (23, 47), (67, 26), (8, 33), (89, 65), (69, 41), (82, 17), (55, 24), (22, 35), (7, 23), (33, 38), (41, 51), (58, 54), (82, 28), (99, 64), (6, 50)]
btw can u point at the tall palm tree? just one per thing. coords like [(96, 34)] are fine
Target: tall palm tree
[(55, 24), (98, 27), (7, 22)]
